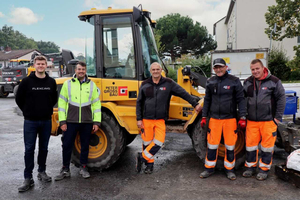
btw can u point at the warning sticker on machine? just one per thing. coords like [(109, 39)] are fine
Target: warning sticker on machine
[(187, 111)]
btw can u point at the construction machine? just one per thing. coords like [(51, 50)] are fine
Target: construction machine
[(118, 61), (18, 69)]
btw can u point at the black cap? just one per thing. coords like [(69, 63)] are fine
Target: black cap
[(219, 61)]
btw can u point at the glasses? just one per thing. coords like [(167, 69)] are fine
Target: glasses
[(218, 67)]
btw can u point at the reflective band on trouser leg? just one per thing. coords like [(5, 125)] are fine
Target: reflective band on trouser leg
[(253, 138), (252, 156), (213, 141), (145, 145), (268, 134), (229, 127)]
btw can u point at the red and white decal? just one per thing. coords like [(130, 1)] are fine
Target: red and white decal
[(122, 91), (226, 87)]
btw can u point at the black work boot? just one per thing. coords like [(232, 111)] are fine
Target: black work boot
[(139, 162), (64, 172), (42, 176), (27, 184), (149, 168)]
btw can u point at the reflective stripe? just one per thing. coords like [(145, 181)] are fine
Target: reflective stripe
[(74, 103), (270, 150), (61, 109), (251, 148), (69, 89), (97, 110), (230, 148), (63, 98), (210, 163), (147, 154), (211, 146), (146, 143), (264, 165), (229, 165), (95, 100), (86, 104), (91, 91), (159, 143), (250, 164)]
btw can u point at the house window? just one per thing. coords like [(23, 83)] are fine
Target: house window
[(298, 40)]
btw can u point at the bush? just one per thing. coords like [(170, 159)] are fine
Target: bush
[(172, 73), (198, 64), (278, 63)]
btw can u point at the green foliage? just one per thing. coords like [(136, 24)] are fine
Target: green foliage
[(203, 62), (278, 64), (16, 40), (287, 18), (179, 35), (47, 47), (172, 73)]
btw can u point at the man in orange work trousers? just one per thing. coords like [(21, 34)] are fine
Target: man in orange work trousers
[(223, 93), (152, 109), (265, 104)]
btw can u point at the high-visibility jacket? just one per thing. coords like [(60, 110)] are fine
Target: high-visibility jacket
[(79, 102)]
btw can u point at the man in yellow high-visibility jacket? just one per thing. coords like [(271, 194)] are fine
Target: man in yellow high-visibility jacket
[(79, 110)]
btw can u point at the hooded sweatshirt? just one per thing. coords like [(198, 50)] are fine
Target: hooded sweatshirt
[(36, 97)]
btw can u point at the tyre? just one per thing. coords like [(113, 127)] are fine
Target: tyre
[(199, 141), (16, 90), (2, 93), (106, 145)]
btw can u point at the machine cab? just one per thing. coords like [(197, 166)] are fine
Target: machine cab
[(123, 50)]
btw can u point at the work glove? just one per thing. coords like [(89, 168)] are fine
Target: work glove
[(203, 122), (242, 123)]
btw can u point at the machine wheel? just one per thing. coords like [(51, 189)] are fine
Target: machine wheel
[(199, 141), (2, 93), (106, 145), (16, 90), (130, 138)]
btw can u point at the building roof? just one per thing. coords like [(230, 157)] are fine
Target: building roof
[(14, 54), (215, 24), (232, 2)]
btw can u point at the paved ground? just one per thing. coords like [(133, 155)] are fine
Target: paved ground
[(176, 173)]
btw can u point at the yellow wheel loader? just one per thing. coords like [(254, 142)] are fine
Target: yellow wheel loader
[(119, 52)]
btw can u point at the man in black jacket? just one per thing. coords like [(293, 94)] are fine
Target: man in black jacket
[(265, 105), (36, 97), (152, 109), (223, 93)]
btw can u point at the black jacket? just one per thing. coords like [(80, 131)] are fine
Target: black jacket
[(222, 96), (36, 97), (265, 98), (154, 99)]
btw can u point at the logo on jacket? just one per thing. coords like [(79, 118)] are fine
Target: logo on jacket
[(122, 90), (264, 88), (162, 88), (226, 87)]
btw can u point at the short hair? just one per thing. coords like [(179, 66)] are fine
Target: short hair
[(155, 63), (81, 63), (253, 62), (40, 58)]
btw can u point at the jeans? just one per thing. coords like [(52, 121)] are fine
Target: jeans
[(69, 136), (31, 130)]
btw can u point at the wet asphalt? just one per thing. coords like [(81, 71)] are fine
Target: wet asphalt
[(176, 172)]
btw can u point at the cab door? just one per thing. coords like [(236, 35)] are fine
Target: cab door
[(118, 57)]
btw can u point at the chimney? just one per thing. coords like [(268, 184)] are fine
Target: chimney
[(7, 49)]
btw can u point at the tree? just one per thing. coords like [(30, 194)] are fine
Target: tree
[(179, 35), (287, 18), (47, 47)]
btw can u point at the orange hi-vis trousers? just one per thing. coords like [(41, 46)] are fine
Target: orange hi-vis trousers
[(153, 138), (216, 127), (264, 132)]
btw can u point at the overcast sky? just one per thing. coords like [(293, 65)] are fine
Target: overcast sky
[(57, 20)]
